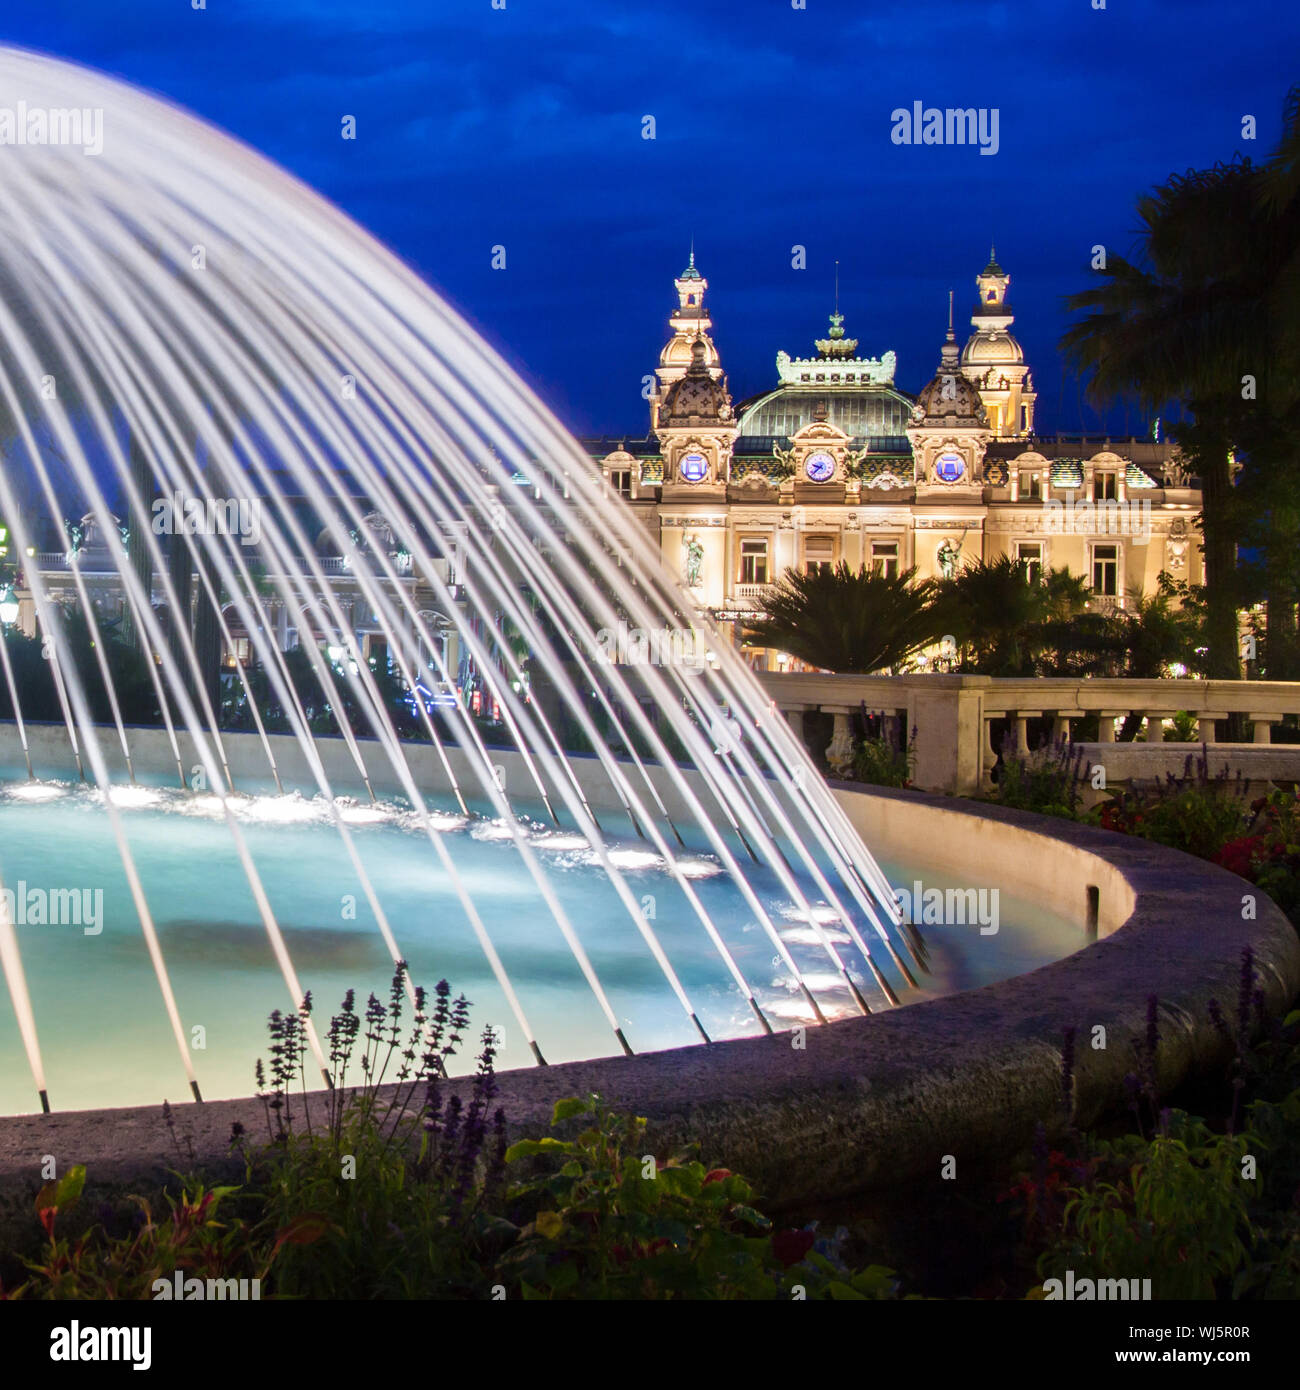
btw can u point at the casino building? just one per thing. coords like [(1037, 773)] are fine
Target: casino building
[(837, 462)]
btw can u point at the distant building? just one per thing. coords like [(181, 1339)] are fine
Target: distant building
[(836, 462)]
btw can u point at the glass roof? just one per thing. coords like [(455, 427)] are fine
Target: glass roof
[(870, 412)]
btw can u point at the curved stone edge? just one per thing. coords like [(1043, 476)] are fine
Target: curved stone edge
[(869, 1102)]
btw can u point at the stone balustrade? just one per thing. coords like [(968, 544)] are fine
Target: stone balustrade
[(955, 716)]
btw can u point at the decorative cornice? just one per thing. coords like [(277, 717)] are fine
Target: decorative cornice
[(874, 371)]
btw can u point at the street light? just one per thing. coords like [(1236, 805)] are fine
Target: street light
[(9, 608)]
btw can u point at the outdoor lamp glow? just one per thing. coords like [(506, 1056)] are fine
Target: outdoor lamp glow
[(8, 607)]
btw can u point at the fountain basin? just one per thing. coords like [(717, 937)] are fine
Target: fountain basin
[(868, 1103)]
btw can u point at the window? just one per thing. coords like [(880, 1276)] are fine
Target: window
[(818, 553), (753, 561), (620, 479), (1030, 555), (884, 558), (1104, 487), (1031, 485), (1105, 570)]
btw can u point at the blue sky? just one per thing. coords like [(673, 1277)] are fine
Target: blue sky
[(523, 127)]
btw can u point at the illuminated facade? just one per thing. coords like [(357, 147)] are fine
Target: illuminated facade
[(836, 462)]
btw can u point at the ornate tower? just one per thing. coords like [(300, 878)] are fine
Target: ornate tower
[(994, 361), (689, 321), (696, 428), (949, 431)]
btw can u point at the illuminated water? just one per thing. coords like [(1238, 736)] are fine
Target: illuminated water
[(105, 1037)]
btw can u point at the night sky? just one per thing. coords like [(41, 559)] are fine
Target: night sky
[(523, 127)]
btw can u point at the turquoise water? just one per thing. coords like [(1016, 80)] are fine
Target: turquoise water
[(106, 1040)]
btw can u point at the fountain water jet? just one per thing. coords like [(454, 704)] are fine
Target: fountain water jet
[(295, 362)]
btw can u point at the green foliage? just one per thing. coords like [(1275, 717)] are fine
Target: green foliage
[(1174, 1211), (1193, 812), (1002, 621), (846, 621), (1203, 1210), (1048, 780), (399, 1192), (195, 1236), (1210, 297), (1268, 853), (34, 679), (400, 1188), (1184, 730), (881, 763), (607, 1220)]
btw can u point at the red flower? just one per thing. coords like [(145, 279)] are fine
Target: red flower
[(716, 1175), (791, 1246), (1238, 856)]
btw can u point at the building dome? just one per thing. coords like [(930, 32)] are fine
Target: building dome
[(992, 349), (951, 397), (698, 395), (679, 351)]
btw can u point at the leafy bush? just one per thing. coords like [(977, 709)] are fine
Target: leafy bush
[(607, 1220), (1048, 780), (1193, 812), (880, 762), (1184, 729), (1204, 1211), (1268, 854), (99, 1265), (403, 1189), (1172, 1210)]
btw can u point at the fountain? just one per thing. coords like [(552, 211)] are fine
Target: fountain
[(278, 432)]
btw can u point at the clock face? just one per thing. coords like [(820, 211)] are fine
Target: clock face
[(819, 467), (949, 467), (693, 467)]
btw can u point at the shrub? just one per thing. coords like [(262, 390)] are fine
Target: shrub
[(880, 762), (1048, 780), (606, 1220), (403, 1189), (1268, 853), (1193, 812), (190, 1238), (1174, 1212), (404, 1195)]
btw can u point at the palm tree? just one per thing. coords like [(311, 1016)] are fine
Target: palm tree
[(1001, 618), (1214, 301), (846, 621)]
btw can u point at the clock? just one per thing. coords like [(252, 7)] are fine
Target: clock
[(820, 467), (949, 467), (693, 468)]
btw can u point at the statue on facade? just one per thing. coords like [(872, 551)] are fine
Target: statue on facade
[(948, 556), (694, 557)]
